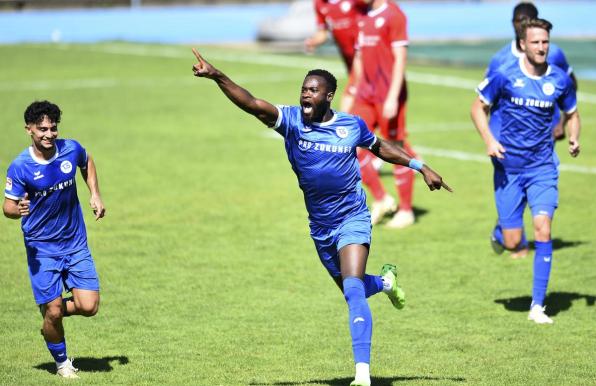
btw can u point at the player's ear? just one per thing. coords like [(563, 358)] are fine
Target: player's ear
[(330, 96), (28, 129)]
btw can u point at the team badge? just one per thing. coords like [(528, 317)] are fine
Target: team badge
[(341, 132), (379, 22), (345, 6), (548, 88), (66, 167), (8, 183)]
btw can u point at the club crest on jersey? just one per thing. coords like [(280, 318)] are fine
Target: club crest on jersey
[(345, 6), (379, 22), (548, 88), (341, 132), (8, 183), (519, 83), (66, 167)]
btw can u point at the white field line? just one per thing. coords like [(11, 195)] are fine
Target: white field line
[(465, 156), (298, 62)]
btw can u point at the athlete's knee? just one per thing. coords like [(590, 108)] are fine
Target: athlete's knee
[(542, 228), (512, 240), (52, 312)]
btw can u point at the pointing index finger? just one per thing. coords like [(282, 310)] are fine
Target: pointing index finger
[(444, 185), (197, 55)]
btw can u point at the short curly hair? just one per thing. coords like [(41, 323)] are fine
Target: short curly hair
[(329, 78), (37, 110)]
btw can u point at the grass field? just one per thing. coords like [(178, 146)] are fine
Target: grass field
[(208, 273)]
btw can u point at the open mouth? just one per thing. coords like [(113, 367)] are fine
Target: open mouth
[(307, 108)]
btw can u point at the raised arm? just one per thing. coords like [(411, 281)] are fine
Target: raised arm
[(395, 154), (261, 109), (479, 113), (90, 176)]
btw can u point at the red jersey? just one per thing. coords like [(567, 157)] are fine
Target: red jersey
[(379, 31), (340, 17)]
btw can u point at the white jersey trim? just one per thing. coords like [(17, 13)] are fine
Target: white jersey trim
[(400, 43), (12, 197), (377, 11), (373, 144), (42, 161), (571, 110), (482, 98), (329, 122), (279, 117), (514, 50), (526, 73)]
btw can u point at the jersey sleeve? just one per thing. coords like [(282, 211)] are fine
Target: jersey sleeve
[(568, 99), (284, 117), (367, 138), (556, 56), (319, 15), (81, 154), (15, 188), (489, 89), (398, 29)]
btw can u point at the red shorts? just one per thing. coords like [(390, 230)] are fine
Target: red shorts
[(393, 129)]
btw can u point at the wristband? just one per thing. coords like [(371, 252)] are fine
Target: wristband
[(415, 164)]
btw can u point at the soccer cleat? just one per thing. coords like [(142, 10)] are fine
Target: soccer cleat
[(67, 370), (538, 316), (360, 382), (497, 247), (381, 208), (402, 219), (391, 288)]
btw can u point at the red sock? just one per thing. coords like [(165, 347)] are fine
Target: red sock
[(370, 177), (404, 182)]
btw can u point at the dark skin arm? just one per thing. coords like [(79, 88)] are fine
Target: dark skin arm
[(390, 152), (261, 109)]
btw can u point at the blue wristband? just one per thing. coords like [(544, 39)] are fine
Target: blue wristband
[(416, 164)]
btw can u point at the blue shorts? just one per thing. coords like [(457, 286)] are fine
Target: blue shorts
[(537, 188), (329, 240), (51, 275)]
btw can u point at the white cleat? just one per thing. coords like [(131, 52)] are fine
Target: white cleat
[(67, 370), (360, 382), (381, 208), (402, 219), (538, 316)]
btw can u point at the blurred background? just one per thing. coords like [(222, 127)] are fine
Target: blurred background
[(457, 32)]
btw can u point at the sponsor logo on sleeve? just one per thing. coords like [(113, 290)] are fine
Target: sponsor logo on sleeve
[(8, 183)]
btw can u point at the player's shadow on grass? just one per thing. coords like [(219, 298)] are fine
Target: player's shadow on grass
[(555, 302), (560, 244), (377, 381), (88, 364)]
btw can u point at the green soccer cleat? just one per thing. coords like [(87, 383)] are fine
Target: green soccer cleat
[(393, 290)]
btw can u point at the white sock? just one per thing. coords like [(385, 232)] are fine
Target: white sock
[(387, 284), (362, 371)]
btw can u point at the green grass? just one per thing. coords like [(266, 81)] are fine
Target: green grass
[(208, 273)]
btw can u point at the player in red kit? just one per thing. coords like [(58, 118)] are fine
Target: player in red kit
[(381, 96), (340, 18)]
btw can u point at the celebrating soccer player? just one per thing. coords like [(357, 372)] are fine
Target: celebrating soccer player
[(381, 96), (321, 147), (526, 93), (41, 191)]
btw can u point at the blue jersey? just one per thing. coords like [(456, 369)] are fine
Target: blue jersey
[(55, 224), (526, 105), (323, 156), (510, 54)]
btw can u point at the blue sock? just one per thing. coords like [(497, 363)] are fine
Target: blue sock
[(372, 285), (498, 234), (542, 262), (360, 319), (58, 350)]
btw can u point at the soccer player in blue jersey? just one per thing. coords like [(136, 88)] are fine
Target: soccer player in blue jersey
[(321, 147), (527, 93), (41, 191)]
